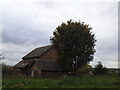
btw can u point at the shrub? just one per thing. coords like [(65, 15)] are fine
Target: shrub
[(100, 69), (86, 70), (7, 70)]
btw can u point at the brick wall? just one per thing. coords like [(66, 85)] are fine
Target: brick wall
[(36, 70)]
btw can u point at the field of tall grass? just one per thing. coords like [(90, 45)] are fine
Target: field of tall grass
[(102, 81)]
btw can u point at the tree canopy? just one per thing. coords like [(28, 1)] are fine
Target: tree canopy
[(74, 43)]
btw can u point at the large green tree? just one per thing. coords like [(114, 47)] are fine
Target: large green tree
[(74, 43)]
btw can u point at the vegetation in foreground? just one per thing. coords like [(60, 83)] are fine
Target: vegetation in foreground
[(101, 81)]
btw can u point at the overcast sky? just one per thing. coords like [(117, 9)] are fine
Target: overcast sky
[(28, 24)]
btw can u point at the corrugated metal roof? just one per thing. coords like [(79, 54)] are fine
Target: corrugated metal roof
[(37, 52)]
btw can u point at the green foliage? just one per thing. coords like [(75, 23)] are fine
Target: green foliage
[(74, 43), (86, 70), (7, 70), (103, 81), (100, 69)]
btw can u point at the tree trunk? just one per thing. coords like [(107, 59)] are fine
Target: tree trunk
[(75, 67), (75, 70)]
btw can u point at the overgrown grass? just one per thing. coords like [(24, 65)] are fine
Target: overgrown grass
[(103, 81)]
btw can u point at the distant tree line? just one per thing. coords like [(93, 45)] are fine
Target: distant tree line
[(7, 70), (100, 69)]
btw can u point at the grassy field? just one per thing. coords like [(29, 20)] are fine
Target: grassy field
[(103, 81)]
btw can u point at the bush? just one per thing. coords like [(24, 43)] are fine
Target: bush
[(86, 70), (100, 69), (7, 70)]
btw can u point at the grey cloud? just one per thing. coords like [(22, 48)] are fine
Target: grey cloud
[(48, 5), (19, 33), (23, 37), (107, 46), (109, 9), (30, 26)]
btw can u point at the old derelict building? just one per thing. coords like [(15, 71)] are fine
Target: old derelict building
[(41, 62)]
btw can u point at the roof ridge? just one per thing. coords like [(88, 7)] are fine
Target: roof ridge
[(43, 46)]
